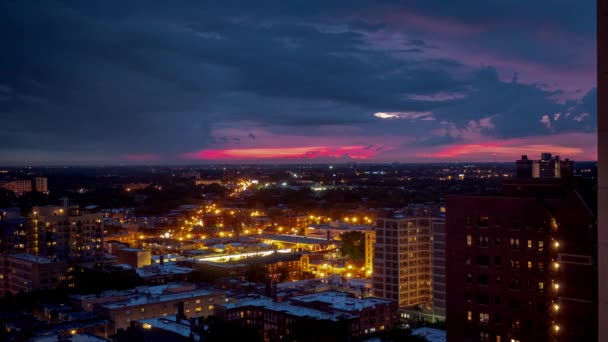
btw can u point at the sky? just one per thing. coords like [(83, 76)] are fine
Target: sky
[(188, 82)]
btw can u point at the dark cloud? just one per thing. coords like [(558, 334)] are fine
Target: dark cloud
[(93, 81)]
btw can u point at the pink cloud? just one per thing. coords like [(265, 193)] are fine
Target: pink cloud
[(304, 152), (576, 146)]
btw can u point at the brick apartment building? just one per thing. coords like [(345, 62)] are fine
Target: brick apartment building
[(521, 264)]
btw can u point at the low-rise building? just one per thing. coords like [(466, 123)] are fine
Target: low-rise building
[(27, 272)]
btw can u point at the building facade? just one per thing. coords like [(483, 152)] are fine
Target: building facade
[(402, 260), (521, 267), (27, 272), (66, 233)]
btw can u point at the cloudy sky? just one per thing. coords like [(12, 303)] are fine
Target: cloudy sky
[(139, 82)]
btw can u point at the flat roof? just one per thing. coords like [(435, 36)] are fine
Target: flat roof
[(342, 300), (288, 308), (33, 258), (143, 298)]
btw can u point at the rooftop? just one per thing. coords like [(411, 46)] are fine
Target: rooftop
[(341, 300), (169, 323), (144, 298), (33, 258), (288, 308)]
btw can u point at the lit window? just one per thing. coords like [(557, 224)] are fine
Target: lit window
[(514, 243), (530, 245), (541, 286), (469, 316), (529, 265), (541, 246), (469, 240), (484, 318)]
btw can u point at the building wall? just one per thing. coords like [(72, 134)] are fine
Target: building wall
[(402, 261), (370, 240), (41, 184), (25, 273), (602, 124), (439, 279), (196, 305), (519, 268)]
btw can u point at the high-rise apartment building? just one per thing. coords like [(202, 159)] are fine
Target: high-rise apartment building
[(402, 259), (546, 167), (438, 271), (521, 265), (370, 240), (66, 233)]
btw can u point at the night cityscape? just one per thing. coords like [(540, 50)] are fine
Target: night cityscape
[(304, 171)]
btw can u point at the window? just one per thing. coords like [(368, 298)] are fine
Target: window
[(469, 240), (515, 324), (541, 246), (483, 221), (498, 338), (469, 316), (541, 286), (469, 278), (541, 266), (514, 225), (484, 336), (483, 299), (482, 279), (497, 261), (467, 220), (497, 301), (514, 264), (514, 284), (467, 260), (497, 280), (529, 264), (514, 304), (514, 243), (483, 260), (483, 241), (530, 244), (484, 318)]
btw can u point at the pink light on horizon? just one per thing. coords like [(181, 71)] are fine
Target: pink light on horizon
[(144, 157), (305, 152)]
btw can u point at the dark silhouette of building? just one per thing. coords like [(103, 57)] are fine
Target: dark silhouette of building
[(521, 264), (524, 167), (546, 167), (602, 133)]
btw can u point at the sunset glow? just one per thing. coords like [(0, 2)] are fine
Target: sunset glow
[(308, 152)]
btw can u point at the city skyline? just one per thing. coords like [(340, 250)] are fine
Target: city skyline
[(341, 82)]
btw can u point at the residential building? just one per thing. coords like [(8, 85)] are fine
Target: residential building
[(66, 233), (362, 315), (41, 184), (27, 272), (521, 265), (546, 167), (370, 241), (159, 301), (402, 259), (19, 186)]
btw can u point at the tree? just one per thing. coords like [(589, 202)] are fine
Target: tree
[(353, 246)]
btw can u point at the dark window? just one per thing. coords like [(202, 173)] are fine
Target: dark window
[(514, 225), (514, 284), (497, 280), (483, 299), (469, 278), (483, 260), (497, 261), (514, 264), (497, 300), (482, 279), (467, 260), (514, 304)]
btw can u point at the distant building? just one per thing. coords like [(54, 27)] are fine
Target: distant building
[(158, 302), (41, 184), (27, 272), (362, 315), (402, 259), (20, 186), (66, 233), (546, 167)]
